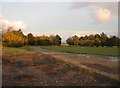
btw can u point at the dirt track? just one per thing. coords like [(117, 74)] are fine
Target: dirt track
[(103, 65), (49, 68)]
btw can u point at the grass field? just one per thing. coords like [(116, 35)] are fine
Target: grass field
[(14, 51), (112, 51)]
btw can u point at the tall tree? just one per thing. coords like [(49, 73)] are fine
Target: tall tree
[(53, 39), (58, 40), (103, 39), (112, 41), (13, 38), (97, 42), (31, 39), (75, 40), (43, 40), (70, 41), (91, 37)]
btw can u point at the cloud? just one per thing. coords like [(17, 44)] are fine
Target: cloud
[(99, 11), (5, 24), (101, 15), (18, 25)]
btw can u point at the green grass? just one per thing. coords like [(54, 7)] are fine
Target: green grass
[(21, 50), (112, 51), (64, 44)]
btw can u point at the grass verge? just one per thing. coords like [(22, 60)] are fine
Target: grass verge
[(112, 51), (14, 51)]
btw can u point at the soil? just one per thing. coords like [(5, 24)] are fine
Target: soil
[(47, 68)]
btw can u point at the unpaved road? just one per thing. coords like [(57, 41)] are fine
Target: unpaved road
[(103, 65), (50, 68)]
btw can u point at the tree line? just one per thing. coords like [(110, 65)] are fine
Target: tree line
[(16, 38), (94, 40)]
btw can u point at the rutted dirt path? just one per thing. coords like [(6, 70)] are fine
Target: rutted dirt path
[(38, 69), (49, 68), (103, 65)]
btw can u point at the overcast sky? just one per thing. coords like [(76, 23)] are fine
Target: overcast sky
[(63, 18)]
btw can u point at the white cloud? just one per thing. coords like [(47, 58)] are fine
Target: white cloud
[(18, 25), (5, 24), (101, 15), (99, 11)]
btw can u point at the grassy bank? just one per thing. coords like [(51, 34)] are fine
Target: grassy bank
[(113, 51)]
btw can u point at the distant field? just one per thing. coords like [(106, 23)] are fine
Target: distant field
[(113, 51)]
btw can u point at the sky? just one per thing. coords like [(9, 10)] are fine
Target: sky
[(63, 18)]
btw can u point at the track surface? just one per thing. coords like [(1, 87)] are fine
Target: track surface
[(104, 65)]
